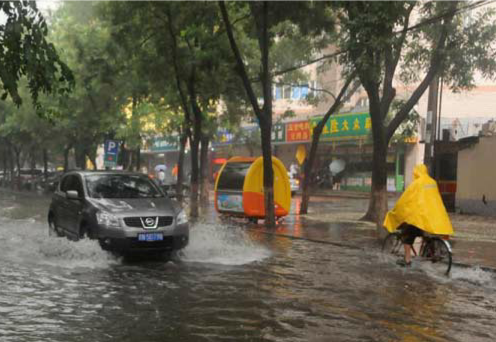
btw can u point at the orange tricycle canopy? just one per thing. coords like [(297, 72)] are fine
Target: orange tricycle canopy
[(239, 188)]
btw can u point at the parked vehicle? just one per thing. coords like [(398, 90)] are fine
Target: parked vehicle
[(52, 180), (323, 178), (294, 183), (170, 189), (30, 178), (126, 212)]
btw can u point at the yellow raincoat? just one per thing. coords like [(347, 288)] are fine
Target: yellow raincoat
[(421, 206)]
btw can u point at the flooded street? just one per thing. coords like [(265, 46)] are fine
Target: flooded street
[(231, 284)]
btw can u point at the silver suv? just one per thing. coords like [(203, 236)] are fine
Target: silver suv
[(125, 212)]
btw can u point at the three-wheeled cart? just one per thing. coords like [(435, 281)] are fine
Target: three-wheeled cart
[(239, 188)]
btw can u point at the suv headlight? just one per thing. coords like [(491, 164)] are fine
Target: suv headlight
[(182, 217), (106, 219)]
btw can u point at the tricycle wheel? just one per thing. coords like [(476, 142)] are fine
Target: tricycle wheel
[(253, 220)]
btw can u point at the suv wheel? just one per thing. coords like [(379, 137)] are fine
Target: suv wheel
[(85, 232), (52, 228)]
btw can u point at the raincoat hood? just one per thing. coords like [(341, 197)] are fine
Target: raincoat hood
[(419, 171), (420, 205)]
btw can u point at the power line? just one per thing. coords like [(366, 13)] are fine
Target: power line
[(426, 22), (456, 11)]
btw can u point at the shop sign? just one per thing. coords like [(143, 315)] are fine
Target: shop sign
[(224, 137), (298, 131), (278, 133), (391, 184), (164, 144), (344, 126)]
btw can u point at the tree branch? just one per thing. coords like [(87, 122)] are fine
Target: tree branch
[(239, 60), (392, 57), (338, 102), (144, 41), (436, 61), (310, 88), (182, 96)]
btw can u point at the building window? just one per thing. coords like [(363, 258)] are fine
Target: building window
[(296, 93), (287, 92), (278, 92), (304, 91)]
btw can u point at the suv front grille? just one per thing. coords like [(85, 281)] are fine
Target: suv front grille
[(163, 221), (133, 222)]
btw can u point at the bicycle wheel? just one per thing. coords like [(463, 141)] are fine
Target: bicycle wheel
[(438, 252), (392, 245)]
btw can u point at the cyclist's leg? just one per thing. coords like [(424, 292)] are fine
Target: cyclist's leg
[(408, 253), (408, 237)]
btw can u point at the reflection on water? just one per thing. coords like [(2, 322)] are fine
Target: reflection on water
[(231, 284)]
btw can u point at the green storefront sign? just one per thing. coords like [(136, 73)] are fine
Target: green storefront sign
[(344, 126), (278, 133), (163, 145)]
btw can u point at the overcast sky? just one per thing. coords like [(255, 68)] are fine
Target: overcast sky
[(44, 5)]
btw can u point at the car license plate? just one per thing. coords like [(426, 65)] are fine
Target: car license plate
[(150, 237)]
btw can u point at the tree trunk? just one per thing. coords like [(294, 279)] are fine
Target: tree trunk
[(259, 12), (80, 156), (5, 166), (34, 179), (194, 177), (18, 164), (307, 177), (129, 160), (317, 132), (138, 158), (66, 158), (378, 197), (12, 166), (204, 189), (195, 143), (45, 163), (180, 167), (268, 175)]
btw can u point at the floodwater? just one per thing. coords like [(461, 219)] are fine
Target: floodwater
[(231, 284)]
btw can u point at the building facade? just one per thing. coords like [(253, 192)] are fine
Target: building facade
[(476, 166)]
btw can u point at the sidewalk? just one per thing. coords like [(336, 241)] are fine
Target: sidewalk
[(345, 194), (474, 241)]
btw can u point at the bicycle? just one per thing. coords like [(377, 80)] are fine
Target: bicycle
[(433, 248)]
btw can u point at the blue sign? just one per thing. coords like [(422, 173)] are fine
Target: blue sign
[(111, 147)]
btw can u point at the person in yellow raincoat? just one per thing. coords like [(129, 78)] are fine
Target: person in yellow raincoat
[(419, 209)]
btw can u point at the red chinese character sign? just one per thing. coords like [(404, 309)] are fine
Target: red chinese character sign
[(298, 131)]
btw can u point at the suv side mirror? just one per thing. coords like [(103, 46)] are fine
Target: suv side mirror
[(72, 194)]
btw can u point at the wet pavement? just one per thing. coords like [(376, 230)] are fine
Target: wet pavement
[(235, 282)]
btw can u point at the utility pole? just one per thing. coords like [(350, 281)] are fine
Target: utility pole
[(430, 125)]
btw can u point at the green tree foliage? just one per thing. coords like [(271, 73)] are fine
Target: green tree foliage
[(183, 55), (26, 52), (93, 111), (385, 43)]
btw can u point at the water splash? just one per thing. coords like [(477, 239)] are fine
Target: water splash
[(222, 244), (473, 275), (27, 241)]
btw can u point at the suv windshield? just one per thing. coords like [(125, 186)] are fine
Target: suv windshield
[(120, 186)]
